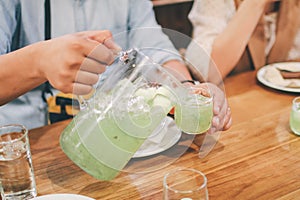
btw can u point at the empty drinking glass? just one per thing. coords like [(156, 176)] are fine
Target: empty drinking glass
[(185, 184)]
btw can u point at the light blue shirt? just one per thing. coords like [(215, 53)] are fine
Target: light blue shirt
[(22, 23)]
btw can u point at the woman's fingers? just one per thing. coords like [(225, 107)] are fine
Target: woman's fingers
[(222, 114), (228, 120)]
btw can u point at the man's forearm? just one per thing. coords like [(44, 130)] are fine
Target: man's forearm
[(17, 74)]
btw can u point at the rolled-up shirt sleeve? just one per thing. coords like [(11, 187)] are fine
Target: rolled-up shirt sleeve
[(209, 18), (147, 34), (8, 22)]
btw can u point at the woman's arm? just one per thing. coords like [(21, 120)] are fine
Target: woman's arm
[(229, 46)]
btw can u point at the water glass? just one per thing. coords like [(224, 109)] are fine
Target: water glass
[(295, 116), (185, 184), (16, 171)]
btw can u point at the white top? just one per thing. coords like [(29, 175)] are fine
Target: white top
[(210, 18)]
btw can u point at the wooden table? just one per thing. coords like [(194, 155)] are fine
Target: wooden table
[(258, 158)]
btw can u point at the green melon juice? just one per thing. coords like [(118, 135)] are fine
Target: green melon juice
[(194, 113), (295, 116), (103, 145)]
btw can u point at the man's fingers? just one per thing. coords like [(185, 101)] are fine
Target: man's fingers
[(86, 78), (93, 46), (92, 66), (102, 54), (81, 89), (109, 43), (99, 36)]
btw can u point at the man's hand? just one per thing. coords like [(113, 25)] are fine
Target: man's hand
[(72, 62)]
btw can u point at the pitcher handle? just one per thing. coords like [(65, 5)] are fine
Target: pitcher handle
[(82, 102)]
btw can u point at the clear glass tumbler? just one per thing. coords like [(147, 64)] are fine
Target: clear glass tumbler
[(194, 111), (295, 116), (16, 170), (185, 184)]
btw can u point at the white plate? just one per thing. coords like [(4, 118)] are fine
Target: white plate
[(261, 76), (62, 197), (160, 140)]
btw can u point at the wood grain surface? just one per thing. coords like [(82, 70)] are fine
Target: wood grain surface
[(257, 158)]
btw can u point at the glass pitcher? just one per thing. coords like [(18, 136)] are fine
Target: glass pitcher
[(128, 104)]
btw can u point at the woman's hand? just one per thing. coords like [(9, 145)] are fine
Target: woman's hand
[(222, 114)]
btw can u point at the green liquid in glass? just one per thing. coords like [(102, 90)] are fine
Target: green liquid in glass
[(194, 116), (295, 120)]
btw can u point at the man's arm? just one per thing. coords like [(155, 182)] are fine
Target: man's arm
[(71, 63)]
